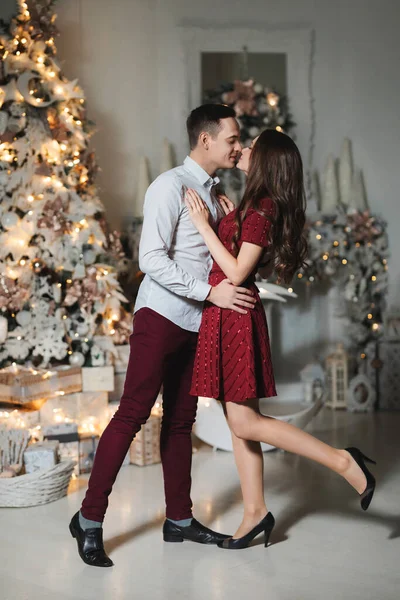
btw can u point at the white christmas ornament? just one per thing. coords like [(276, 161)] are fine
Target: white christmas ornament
[(143, 183), (11, 92), (3, 329), (56, 293), (330, 198), (3, 121), (23, 87), (89, 256), (23, 318), (76, 359), (82, 328), (345, 172), (9, 219)]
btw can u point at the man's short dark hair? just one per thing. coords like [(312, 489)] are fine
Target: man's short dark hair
[(206, 118)]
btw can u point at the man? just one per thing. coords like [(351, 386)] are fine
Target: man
[(167, 318)]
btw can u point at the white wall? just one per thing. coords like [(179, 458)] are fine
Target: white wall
[(126, 54)]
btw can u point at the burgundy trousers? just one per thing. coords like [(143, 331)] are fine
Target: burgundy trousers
[(161, 353)]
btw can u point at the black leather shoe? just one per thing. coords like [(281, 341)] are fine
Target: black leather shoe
[(196, 532), (90, 544)]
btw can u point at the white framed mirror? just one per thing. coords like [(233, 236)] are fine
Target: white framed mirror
[(284, 55)]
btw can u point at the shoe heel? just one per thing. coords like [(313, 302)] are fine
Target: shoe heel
[(72, 531), (267, 533), (170, 537)]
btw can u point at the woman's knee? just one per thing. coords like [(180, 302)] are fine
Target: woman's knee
[(239, 427), (242, 421)]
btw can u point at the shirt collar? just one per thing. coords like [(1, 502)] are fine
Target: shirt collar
[(203, 177)]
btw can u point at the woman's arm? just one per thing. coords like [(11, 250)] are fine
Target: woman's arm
[(236, 269)]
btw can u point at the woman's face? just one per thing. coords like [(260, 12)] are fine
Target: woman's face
[(244, 161)]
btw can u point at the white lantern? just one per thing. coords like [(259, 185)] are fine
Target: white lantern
[(337, 378)]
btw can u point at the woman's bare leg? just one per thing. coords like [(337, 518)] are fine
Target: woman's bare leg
[(250, 465), (247, 423)]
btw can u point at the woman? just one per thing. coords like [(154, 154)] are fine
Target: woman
[(233, 361)]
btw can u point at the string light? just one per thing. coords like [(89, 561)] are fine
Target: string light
[(375, 326), (344, 261), (373, 277), (369, 316), (318, 236)]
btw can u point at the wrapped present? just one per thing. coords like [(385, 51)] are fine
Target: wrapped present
[(122, 360), (119, 382), (41, 456), (60, 431), (19, 418), (30, 388), (98, 379), (87, 450), (87, 409), (79, 447), (145, 448)]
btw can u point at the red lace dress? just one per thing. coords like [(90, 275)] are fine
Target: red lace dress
[(233, 358)]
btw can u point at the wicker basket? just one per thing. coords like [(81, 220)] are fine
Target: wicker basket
[(36, 488)]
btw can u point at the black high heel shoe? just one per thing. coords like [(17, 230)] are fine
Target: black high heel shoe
[(361, 459), (266, 526)]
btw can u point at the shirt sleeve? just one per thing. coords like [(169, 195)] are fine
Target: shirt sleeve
[(256, 228), (162, 207)]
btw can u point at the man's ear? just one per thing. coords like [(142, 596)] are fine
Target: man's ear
[(204, 140)]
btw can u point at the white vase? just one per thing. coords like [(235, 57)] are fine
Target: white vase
[(167, 159), (345, 173), (143, 183), (358, 195), (330, 197), (317, 190)]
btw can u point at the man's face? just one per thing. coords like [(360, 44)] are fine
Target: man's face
[(224, 150)]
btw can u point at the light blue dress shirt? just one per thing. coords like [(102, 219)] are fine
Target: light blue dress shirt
[(172, 253)]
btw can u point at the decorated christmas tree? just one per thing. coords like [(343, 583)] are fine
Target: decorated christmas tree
[(60, 299)]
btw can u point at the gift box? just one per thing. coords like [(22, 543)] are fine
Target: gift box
[(87, 409), (30, 388), (41, 456), (145, 448), (87, 450), (19, 418), (98, 379), (79, 447)]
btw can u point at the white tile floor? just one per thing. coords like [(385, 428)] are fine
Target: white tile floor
[(324, 546)]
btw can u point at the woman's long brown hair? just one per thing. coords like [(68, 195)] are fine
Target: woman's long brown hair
[(276, 172)]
